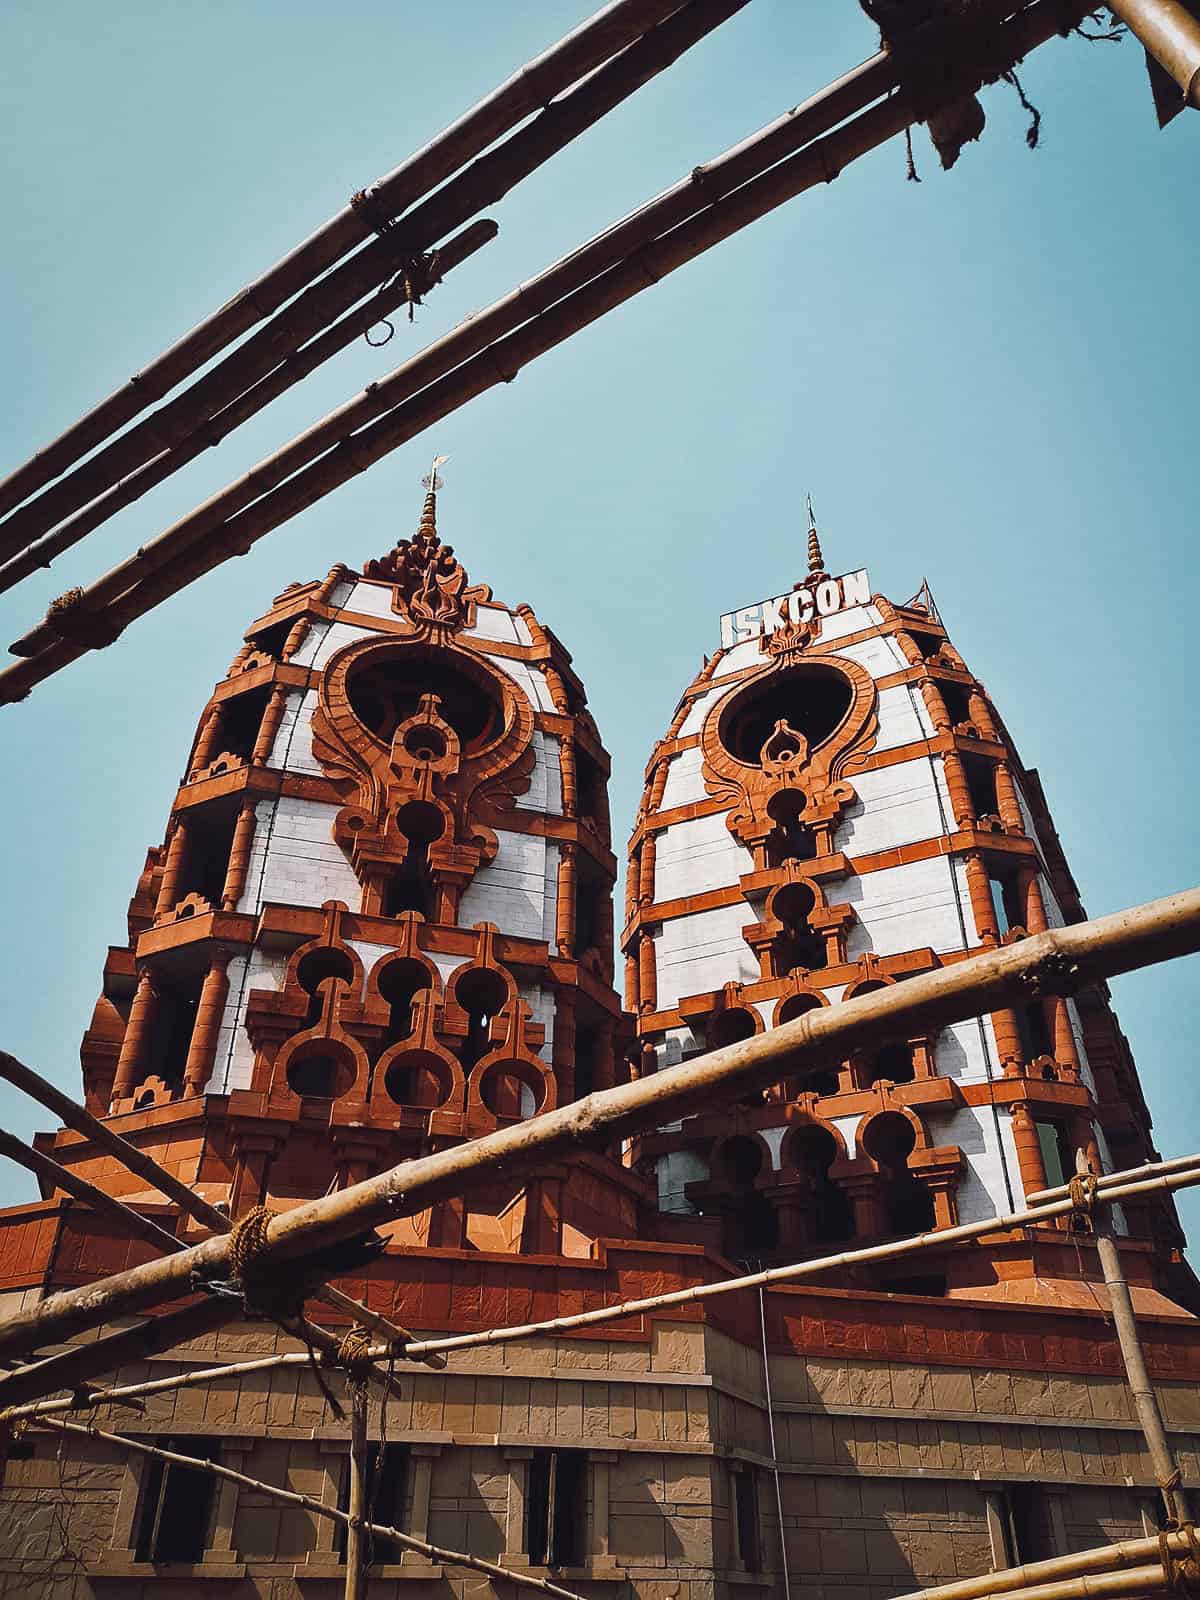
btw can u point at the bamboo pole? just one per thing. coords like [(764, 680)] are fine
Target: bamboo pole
[(50, 1172), (1081, 1563), (1128, 1175), (692, 195), (118, 467), (1170, 33), (356, 1540), (182, 554), (533, 86), (291, 369), (1064, 958), (307, 1502), (194, 1205), (1162, 1457)]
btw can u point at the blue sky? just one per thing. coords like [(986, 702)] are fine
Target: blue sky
[(983, 378)]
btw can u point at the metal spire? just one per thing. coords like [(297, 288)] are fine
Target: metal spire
[(431, 484), (816, 561)]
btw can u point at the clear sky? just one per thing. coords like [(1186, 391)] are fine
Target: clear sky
[(986, 378)]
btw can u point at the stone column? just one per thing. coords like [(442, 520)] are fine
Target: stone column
[(647, 973), (1031, 899), (632, 880), (422, 1457), (329, 583), (134, 1045), (518, 1488), (1008, 1037), (657, 784), (210, 1009), (570, 788), (981, 714), (564, 916), (173, 866), (297, 634), (219, 1551), (239, 856), (1065, 1051), (960, 790), (1006, 800), (268, 728), (980, 893), (633, 993), (206, 744), (646, 863), (935, 705), (1029, 1149), (600, 1533)]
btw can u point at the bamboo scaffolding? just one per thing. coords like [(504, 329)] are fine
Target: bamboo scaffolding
[(50, 1172), (199, 543), (693, 194), (122, 463), (356, 1544), (1082, 1563), (611, 29), (193, 1205), (307, 1502), (1170, 32), (294, 366), (1107, 1179), (944, 1239), (1062, 958)]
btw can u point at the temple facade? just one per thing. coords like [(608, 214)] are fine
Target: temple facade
[(380, 922)]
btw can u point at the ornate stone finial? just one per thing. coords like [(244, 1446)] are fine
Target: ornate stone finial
[(431, 584), (816, 561)]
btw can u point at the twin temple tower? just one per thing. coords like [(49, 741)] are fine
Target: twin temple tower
[(381, 922)]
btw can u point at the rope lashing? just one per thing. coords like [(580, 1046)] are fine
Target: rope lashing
[(1083, 1188), (69, 620), (367, 204), (265, 1293), (1182, 1572), (353, 1353)]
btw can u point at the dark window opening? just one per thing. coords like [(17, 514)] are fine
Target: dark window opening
[(813, 700), (314, 1076), (411, 886), (745, 1516), (591, 892), (1034, 1031), (385, 693), (591, 790), (510, 1091), (957, 699), (315, 969), (175, 1506), (1058, 1154), (830, 1216), (820, 1080), (387, 1471), (205, 859), (981, 783), (932, 1285), (270, 641), (751, 1227), (731, 1026), (790, 840), (1029, 1528), (907, 1204), (482, 994), (556, 1508), (171, 1033), (799, 949), (241, 719), (1006, 900), (399, 984), (892, 1063), (927, 643)]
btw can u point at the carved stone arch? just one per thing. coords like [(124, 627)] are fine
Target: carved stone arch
[(748, 779), (408, 950), (724, 1166), (484, 960), (417, 1080), (786, 1007), (889, 1109), (798, 1127)]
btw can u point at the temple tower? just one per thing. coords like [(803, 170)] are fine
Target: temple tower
[(837, 806), (380, 919)]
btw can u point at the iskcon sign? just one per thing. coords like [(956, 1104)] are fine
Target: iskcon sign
[(801, 604)]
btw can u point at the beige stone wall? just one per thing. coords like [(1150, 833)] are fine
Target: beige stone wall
[(891, 1474)]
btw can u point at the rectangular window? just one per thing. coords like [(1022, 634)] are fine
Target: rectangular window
[(556, 1508), (1057, 1156), (387, 1488), (175, 1506), (745, 1512), (1034, 1031), (1029, 1530), (1006, 901)]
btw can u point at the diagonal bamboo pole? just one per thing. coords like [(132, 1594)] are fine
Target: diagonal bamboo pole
[(1061, 958), (455, 1558), (56, 1176), (693, 194), (946, 1239), (1128, 1175), (182, 427), (180, 556), (530, 88), (1081, 1563), (190, 1203)]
